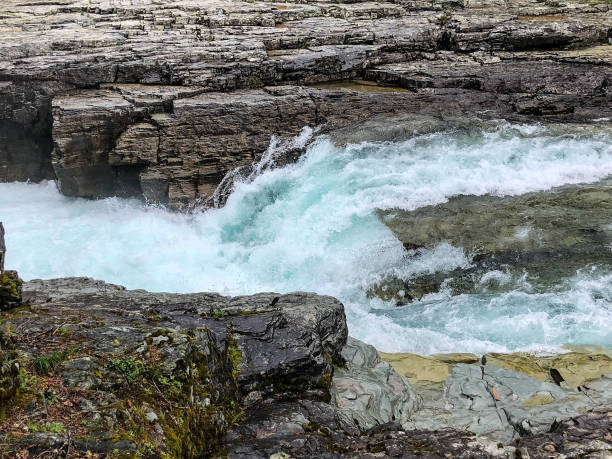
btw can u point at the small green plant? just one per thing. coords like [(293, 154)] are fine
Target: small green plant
[(445, 19), (26, 381), (219, 313), (46, 364), (235, 356), (53, 427), (53, 398), (131, 369), (64, 331), (33, 427), (235, 414)]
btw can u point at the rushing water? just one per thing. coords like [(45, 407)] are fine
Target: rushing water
[(312, 226)]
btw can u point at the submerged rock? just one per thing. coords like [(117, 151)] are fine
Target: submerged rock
[(537, 238)]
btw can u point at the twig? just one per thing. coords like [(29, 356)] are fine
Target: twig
[(67, 446), (44, 400), (61, 325)]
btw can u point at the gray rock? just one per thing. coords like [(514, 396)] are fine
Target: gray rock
[(503, 404), (113, 98), (2, 248), (369, 392)]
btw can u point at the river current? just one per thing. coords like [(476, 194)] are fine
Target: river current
[(313, 226)]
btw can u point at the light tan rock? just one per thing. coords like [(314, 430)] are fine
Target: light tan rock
[(576, 368), (424, 371)]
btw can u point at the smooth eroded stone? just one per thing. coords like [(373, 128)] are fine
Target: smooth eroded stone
[(368, 391)]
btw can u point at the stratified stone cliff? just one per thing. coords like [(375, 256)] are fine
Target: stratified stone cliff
[(161, 100)]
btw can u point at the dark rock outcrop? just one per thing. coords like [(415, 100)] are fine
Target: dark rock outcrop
[(2, 248), (182, 364)]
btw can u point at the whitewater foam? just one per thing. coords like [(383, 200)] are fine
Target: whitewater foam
[(313, 226)]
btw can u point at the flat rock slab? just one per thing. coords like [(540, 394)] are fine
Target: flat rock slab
[(501, 403)]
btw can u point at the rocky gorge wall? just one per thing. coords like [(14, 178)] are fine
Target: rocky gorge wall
[(162, 100)]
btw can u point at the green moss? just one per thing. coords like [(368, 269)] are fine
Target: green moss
[(195, 406), (53, 427), (10, 290), (377, 448), (311, 427), (64, 331), (234, 355), (337, 362), (131, 369), (10, 284)]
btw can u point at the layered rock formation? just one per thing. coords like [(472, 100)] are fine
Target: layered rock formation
[(142, 99), (503, 404)]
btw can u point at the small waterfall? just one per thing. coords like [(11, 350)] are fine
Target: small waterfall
[(279, 153)]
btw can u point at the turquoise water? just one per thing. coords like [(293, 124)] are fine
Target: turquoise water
[(312, 226)]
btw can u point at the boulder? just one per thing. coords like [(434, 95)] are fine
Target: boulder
[(10, 282), (194, 361)]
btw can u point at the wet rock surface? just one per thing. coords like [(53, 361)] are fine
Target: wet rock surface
[(162, 100), (91, 368), (525, 397), (150, 373), (537, 238), (368, 392)]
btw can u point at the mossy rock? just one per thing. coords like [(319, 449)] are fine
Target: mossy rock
[(9, 374), (11, 289)]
